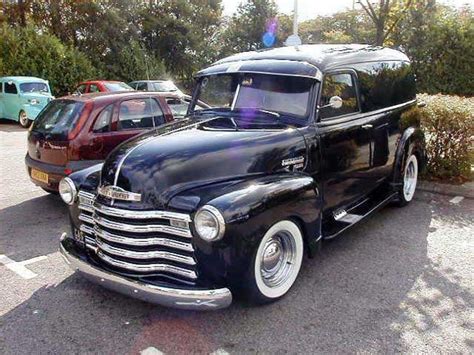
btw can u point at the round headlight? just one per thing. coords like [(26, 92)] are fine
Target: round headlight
[(67, 190), (209, 223)]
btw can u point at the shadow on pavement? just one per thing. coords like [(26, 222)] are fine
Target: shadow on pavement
[(349, 299), (10, 126), (32, 228)]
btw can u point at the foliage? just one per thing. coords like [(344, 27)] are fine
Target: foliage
[(244, 31), (439, 42), (25, 51), (385, 16), (448, 124)]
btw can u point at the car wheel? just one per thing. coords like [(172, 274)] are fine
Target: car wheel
[(23, 119), (409, 181), (276, 263)]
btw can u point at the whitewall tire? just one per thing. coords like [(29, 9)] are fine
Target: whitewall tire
[(277, 262), (23, 119), (409, 180)]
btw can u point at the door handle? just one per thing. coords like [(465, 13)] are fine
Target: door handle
[(367, 126)]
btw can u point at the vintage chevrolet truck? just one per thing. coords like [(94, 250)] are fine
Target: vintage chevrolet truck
[(298, 144)]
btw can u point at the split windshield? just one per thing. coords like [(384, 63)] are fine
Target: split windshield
[(275, 95), (33, 87)]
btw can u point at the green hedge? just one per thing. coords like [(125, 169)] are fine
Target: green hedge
[(26, 51), (448, 125)]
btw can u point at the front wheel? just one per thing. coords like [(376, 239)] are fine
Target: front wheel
[(276, 263), (410, 179), (23, 119)]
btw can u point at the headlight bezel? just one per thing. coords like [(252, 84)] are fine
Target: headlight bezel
[(66, 181), (217, 217)]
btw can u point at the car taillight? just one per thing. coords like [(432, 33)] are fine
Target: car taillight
[(67, 171), (82, 119)]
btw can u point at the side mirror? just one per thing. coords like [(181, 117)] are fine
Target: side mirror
[(334, 102)]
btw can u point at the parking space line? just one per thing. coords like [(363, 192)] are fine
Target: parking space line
[(456, 199), (19, 267), (151, 351)]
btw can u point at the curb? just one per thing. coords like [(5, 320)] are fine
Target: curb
[(465, 190)]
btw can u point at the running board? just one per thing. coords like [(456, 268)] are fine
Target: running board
[(342, 219)]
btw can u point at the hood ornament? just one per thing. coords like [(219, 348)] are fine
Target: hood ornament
[(117, 193)]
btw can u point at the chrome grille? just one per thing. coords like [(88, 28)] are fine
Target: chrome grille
[(144, 242)]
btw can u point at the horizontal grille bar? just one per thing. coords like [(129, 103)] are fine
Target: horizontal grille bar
[(150, 228), (111, 237), (147, 267), (115, 212), (85, 218), (143, 255)]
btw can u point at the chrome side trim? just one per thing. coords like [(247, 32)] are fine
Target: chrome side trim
[(147, 267), (209, 299), (143, 241), (150, 228), (115, 212), (141, 255)]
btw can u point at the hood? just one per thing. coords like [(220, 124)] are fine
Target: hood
[(42, 97), (160, 164)]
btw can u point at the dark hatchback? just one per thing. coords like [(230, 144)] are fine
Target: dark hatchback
[(75, 132)]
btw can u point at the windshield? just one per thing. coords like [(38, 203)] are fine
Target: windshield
[(34, 87), (282, 95), (164, 86), (58, 118), (117, 86)]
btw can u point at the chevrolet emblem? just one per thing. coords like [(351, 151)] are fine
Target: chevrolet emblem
[(117, 193)]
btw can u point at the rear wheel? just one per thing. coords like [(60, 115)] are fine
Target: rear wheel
[(276, 263), (409, 181), (23, 119)]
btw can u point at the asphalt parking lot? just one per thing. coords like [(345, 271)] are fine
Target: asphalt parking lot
[(401, 281)]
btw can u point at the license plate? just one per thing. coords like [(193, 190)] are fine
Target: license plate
[(39, 175)]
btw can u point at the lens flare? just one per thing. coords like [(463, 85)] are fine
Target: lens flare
[(269, 37)]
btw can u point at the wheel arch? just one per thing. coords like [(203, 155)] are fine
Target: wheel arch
[(411, 141)]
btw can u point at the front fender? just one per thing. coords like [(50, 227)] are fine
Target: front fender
[(250, 208), (31, 110)]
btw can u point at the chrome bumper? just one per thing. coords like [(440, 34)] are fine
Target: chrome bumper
[(165, 296)]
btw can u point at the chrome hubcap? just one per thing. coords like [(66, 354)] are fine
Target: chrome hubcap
[(278, 259), (410, 179), (23, 118)]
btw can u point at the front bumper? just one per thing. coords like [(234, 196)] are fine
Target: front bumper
[(170, 297)]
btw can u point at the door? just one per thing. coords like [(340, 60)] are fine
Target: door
[(1, 101), (11, 100), (345, 143), (102, 137)]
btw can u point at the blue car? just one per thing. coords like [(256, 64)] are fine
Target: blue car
[(23, 97)]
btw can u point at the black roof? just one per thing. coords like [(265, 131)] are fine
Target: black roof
[(323, 56)]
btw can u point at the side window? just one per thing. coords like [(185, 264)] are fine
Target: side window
[(102, 123), (142, 86), (81, 89), (342, 85), (1, 87), (140, 113), (178, 107), (10, 88), (93, 88)]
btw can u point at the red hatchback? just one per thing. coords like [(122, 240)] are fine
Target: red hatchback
[(75, 132), (92, 86)]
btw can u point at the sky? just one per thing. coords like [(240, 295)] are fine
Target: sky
[(311, 8)]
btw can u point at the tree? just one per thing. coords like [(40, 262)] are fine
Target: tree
[(385, 16), (24, 51), (245, 30)]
